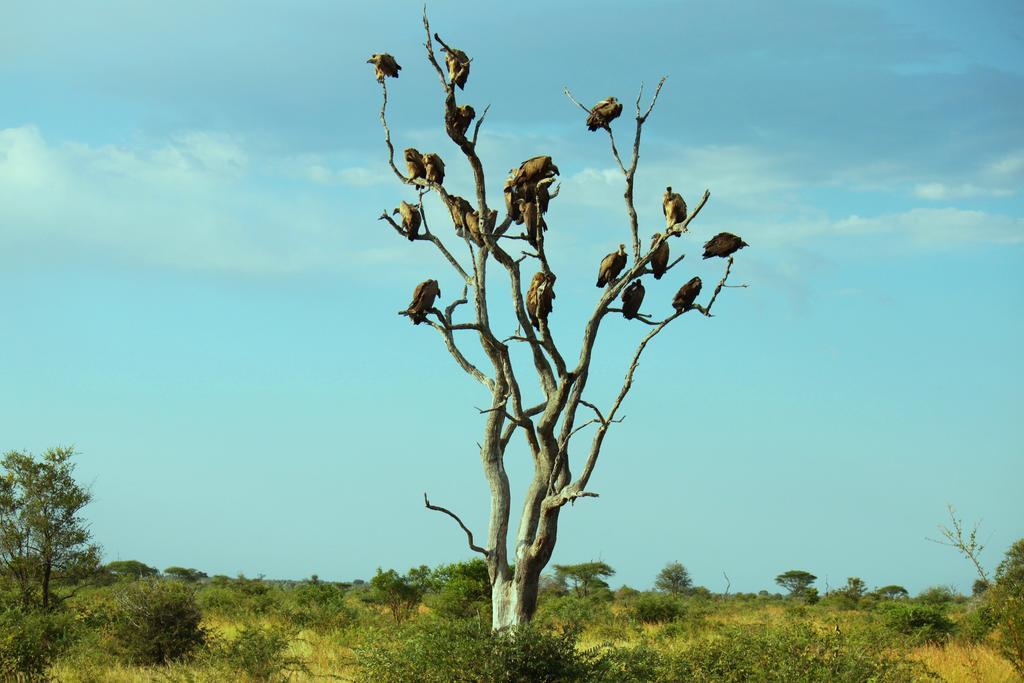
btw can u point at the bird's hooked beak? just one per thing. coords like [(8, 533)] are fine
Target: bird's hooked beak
[(555, 169), (369, 61)]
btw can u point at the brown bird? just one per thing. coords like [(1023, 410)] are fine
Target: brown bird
[(459, 207), (686, 295), (723, 244), (534, 169), (674, 208), (410, 219), (543, 191), (632, 297), (473, 228), (532, 219), (540, 298), (384, 65), (423, 300), (659, 261), (414, 163), (461, 117), (611, 266), (603, 113), (457, 61), (512, 197), (434, 168)]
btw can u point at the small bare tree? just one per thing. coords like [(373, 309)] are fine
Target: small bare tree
[(550, 425)]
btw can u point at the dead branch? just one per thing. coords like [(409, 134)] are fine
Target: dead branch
[(706, 310), (469, 534), (968, 545), (676, 230)]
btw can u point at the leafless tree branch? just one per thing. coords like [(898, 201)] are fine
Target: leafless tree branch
[(964, 542), (469, 534)]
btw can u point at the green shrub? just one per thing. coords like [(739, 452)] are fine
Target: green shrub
[(319, 606), (260, 654), (573, 611), (29, 642), (1006, 597), (920, 623), (461, 590), (435, 651), (795, 652), (239, 597), (155, 622), (654, 608)]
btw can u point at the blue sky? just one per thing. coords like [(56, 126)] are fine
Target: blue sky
[(195, 291)]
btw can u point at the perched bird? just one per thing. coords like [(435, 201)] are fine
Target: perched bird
[(512, 197), (540, 298), (534, 169), (434, 168), (659, 261), (384, 65), (532, 219), (410, 219), (723, 244), (477, 231), (603, 113), (632, 297), (459, 207), (423, 300), (461, 117), (457, 61), (611, 266), (543, 191), (686, 295), (414, 163), (674, 208)]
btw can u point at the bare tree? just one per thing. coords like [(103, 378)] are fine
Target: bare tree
[(549, 426)]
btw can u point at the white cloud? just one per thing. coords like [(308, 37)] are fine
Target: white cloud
[(198, 200), (943, 191)]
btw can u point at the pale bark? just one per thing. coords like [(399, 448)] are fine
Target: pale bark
[(548, 427)]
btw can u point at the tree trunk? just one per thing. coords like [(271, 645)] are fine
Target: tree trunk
[(514, 601), (46, 586)]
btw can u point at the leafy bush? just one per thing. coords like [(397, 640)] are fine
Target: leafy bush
[(461, 590), (239, 597), (921, 624), (572, 611), (319, 606), (937, 595), (260, 654), (435, 651), (155, 622), (796, 652), (1006, 597), (651, 608), (29, 642)]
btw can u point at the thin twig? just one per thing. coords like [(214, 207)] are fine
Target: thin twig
[(469, 534)]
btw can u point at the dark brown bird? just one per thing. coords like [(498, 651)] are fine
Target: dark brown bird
[(473, 228), (384, 65), (686, 295), (659, 261), (457, 61), (603, 113), (434, 168), (410, 219), (414, 163), (674, 208), (532, 219), (462, 117), (459, 207), (611, 266), (724, 244), (543, 191), (534, 169), (512, 197), (540, 298), (632, 297), (423, 300)]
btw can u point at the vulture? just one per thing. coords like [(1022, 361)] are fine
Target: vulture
[(674, 208), (534, 222), (534, 170), (539, 298), (611, 266), (434, 168), (459, 207), (632, 297), (544, 193), (512, 198), (410, 219), (723, 244), (414, 164), (603, 113), (457, 61), (659, 261), (476, 232), (462, 117), (686, 295), (384, 65), (423, 300)]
